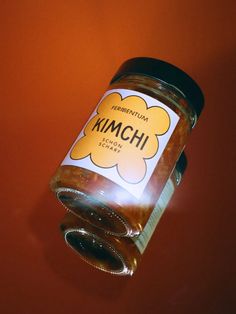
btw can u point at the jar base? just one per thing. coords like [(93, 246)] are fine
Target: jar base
[(92, 211)]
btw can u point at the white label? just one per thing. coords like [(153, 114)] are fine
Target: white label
[(124, 139), (142, 240)]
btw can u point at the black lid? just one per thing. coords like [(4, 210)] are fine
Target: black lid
[(181, 163), (166, 72)]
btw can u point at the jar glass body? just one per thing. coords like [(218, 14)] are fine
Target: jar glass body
[(105, 204)]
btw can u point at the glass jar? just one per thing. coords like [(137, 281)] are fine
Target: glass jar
[(118, 166), (117, 255)]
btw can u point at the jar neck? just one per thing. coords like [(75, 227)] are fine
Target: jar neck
[(160, 89)]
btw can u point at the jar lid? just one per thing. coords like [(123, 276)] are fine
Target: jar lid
[(167, 73)]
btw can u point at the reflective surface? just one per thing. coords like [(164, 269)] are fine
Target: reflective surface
[(94, 251), (56, 59)]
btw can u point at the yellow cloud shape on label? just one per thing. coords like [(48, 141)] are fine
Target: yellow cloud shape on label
[(123, 133)]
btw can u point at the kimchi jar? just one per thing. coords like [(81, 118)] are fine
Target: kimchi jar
[(118, 166), (117, 255)]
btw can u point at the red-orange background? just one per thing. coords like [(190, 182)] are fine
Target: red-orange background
[(56, 59)]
